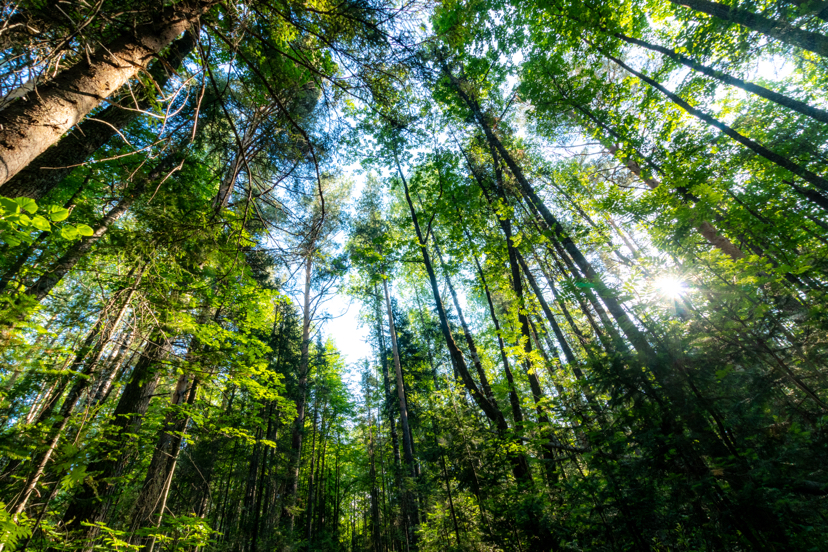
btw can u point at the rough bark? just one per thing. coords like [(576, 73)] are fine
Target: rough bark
[(51, 167), (38, 120)]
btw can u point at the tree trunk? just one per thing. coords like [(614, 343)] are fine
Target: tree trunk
[(46, 283), (783, 162), (705, 228), (781, 99), (33, 123), (519, 466), (484, 381), (92, 501), (292, 487), (386, 379), (165, 454), (514, 399), (567, 351), (52, 166), (408, 443), (780, 30), (100, 333)]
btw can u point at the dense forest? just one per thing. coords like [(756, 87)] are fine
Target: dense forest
[(587, 242)]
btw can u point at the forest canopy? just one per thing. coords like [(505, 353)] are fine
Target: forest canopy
[(587, 241)]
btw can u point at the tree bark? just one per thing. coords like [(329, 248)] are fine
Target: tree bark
[(51, 167), (780, 30), (33, 123)]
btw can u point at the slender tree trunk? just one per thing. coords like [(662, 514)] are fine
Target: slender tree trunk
[(707, 230), (450, 499), (780, 30), (520, 469), (33, 123), (408, 443), (165, 454), (91, 502), (780, 99), (779, 160), (46, 283), (386, 379), (292, 487), (567, 351), (311, 475), (514, 399), (100, 333), (51, 167), (484, 381), (457, 355)]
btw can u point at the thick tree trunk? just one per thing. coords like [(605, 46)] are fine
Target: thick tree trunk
[(52, 166), (33, 123), (780, 30)]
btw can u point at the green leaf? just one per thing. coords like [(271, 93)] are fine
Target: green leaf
[(41, 224), (85, 230), (27, 204), (69, 233), (58, 214), (9, 206)]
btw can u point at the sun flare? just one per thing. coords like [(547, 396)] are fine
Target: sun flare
[(670, 286)]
